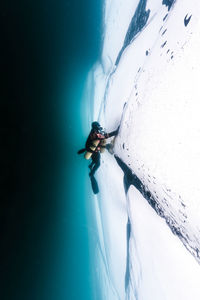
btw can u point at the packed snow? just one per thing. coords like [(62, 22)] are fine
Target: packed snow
[(148, 207)]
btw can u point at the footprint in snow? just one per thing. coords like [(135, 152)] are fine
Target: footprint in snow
[(165, 17), (187, 20), (163, 45), (164, 31)]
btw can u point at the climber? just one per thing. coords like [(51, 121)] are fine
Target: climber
[(95, 144)]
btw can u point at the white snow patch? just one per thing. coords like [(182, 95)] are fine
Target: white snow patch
[(167, 271), (157, 78)]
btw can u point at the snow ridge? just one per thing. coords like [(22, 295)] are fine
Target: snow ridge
[(131, 179), (153, 180), (145, 91), (138, 22)]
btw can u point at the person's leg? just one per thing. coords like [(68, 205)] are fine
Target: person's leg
[(91, 165), (96, 161), (93, 157)]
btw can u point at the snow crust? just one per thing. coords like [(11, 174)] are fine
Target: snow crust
[(166, 269), (153, 93)]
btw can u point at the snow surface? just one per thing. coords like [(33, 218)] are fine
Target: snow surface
[(148, 217)]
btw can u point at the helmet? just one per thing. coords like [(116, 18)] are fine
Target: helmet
[(96, 125)]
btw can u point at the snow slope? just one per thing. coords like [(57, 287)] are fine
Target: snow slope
[(148, 207)]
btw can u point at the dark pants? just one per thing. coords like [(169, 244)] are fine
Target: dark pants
[(95, 164)]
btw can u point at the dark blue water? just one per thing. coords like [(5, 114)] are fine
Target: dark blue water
[(48, 47)]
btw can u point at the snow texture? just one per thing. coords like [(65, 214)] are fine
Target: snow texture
[(148, 207)]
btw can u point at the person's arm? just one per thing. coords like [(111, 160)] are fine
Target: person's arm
[(81, 151), (113, 133), (100, 136)]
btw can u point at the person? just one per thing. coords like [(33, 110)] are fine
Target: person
[(95, 134)]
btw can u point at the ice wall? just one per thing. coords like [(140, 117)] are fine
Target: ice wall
[(148, 82), (157, 77)]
